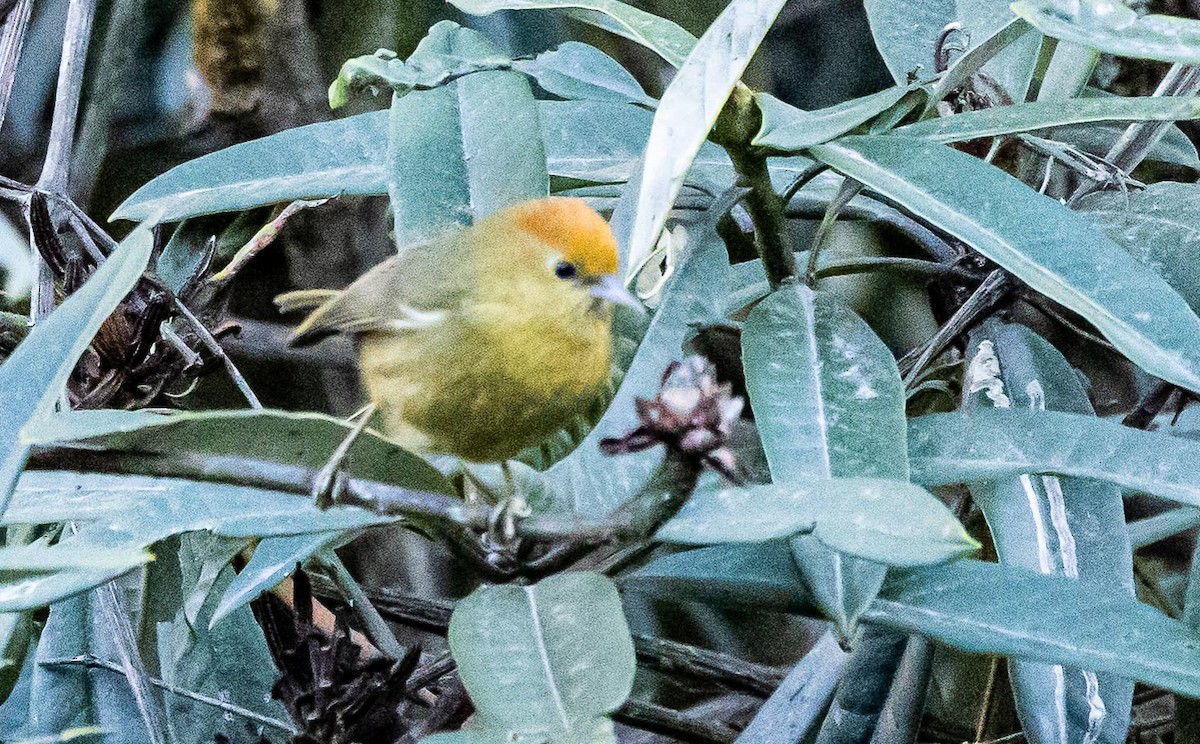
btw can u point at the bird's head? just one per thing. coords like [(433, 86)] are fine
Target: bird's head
[(585, 251)]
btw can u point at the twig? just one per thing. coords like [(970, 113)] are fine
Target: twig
[(211, 343), (662, 720), (986, 296), (189, 356), (325, 485), (93, 662), (1149, 406), (12, 39), (700, 663), (66, 100), (427, 674), (375, 627), (1140, 137)]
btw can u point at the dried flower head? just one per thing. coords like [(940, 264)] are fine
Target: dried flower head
[(692, 414)]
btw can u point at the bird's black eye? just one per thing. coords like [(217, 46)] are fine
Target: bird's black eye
[(564, 270)]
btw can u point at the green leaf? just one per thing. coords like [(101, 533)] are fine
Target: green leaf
[(344, 156), (33, 376), (349, 156), (1068, 72), (60, 698), (659, 35), (828, 402), (16, 630), (1046, 245), (230, 661), (788, 129), (988, 608), (1025, 117), (953, 448), (448, 51), (550, 659), (826, 393), (886, 521), (274, 559), (1061, 526), (762, 576), (1112, 27), (465, 150), (138, 510), (794, 711), (257, 437), (583, 72), (1159, 226), (974, 606), (686, 113), (37, 558)]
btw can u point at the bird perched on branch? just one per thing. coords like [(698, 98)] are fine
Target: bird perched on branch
[(484, 340)]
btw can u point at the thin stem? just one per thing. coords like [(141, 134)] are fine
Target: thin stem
[(93, 662), (985, 297), (1150, 530), (1141, 137), (66, 101), (766, 209), (12, 39), (806, 177), (847, 191), (211, 343), (375, 627), (116, 619)]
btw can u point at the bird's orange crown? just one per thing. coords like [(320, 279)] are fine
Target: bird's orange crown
[(575, 229)]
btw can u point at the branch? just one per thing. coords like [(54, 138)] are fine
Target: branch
[(12, 39), (66, 100), (92, 662)]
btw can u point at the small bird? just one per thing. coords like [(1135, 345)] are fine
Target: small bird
[(487, 339)]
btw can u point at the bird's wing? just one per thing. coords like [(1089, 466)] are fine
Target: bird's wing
[(400, 294)]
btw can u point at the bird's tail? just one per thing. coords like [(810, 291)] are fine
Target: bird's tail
[(307, 299)]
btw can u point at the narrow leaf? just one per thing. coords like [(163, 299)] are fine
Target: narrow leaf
[(1049, 247), (891, 522), (1115, 28), (788, 129), (974, 606), (952, 448), (583, 72), (657, 34), (548, 658), (465, 150), (33, 376), (1025, 117), (1059, 526), (1159, 226), (687, 111), (274, 559)]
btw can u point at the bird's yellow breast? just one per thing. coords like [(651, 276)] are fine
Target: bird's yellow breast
[(500, 375)]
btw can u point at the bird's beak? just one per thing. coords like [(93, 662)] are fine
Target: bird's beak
[(611, 289)]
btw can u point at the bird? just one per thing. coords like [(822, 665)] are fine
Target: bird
[(486, 339)]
